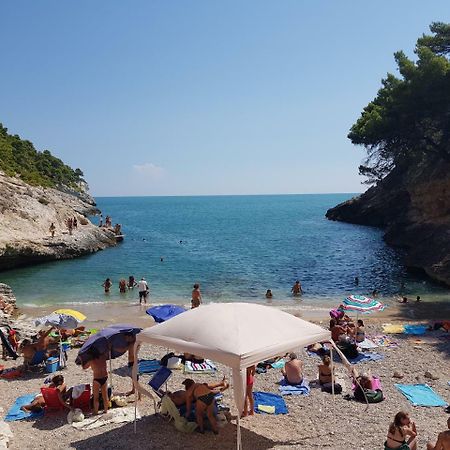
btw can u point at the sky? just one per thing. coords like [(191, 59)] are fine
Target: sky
[(202, 97)]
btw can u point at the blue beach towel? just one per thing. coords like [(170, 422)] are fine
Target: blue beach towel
[(148, 366), (420, 395), (15, 413), (270, 400), (364, 357), (415, 329), (294, 389)]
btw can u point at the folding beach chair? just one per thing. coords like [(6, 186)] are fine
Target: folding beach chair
[(160, 377), (83, 402), (51, 397)]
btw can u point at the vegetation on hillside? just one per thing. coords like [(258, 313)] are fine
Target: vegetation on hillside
[(19, 157), (408, 122)]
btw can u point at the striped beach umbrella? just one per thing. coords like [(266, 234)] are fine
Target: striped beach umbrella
[(361, 304)]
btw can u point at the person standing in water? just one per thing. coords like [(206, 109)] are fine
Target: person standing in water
[(297, 289), (122, 286), (131, 282), (196, 296), (143, 290), (107, 285)]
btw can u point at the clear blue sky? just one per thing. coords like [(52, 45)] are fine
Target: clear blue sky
[(202, 97)]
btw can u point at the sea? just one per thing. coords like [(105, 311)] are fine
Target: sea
[(235, 247)]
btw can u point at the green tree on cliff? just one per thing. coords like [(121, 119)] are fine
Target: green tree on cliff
[(408, 122), (19, 157)]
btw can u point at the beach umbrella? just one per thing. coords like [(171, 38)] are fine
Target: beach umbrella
[(361, 304), (110, 342), (71, 312), (57, 320), (162, 313)]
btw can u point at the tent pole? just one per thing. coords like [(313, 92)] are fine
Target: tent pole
[(332, 376), (238, 434)]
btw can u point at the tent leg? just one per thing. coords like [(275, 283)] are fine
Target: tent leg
[(332, 375), (238, 434), (136, 396)]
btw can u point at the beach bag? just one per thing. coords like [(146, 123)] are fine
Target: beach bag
[(374, 396), (327, 387), (165, 358)]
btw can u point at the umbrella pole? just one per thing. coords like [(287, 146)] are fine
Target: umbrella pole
[(332, 376), (110, 370)]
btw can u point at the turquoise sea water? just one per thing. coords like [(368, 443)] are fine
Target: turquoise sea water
[(236, 247)]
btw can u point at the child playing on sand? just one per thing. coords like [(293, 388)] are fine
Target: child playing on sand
[(249, 404)]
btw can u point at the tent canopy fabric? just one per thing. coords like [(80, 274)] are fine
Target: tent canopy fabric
[(162, 313), (237, 335)]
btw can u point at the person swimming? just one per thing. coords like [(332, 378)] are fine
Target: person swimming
[(269, 293)]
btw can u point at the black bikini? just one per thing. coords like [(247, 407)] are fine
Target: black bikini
[(101, 381)]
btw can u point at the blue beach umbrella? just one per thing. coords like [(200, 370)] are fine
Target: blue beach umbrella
[(164, 312), (110, 341)]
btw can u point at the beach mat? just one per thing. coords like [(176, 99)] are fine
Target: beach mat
[(296, 389), (119, 415), (268, 403), (416, 330), (393, 329), (148, 366), (15, 413), (205, 367), (381, 340), (367, 344), (365, 357), (420, 395)]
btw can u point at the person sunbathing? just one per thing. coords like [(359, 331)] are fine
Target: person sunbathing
[(203, 396), (443, 441), (326, 377), (293, 370), (64, 396), (402, 433), (180, 398)]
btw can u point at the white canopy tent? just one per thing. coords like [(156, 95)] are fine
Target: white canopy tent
[(237, 335)]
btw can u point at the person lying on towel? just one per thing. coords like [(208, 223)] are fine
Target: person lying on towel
[(293, 370), (180, 397)]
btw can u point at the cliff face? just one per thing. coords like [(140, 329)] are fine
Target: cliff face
[(413, 206), (26, 213)]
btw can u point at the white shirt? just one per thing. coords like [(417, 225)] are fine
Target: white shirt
[(143, 286)]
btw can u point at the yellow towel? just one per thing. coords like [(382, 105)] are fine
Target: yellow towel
[(267, 409), (393, 329)]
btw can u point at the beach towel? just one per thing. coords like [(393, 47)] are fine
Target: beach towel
[(119, 415), (364, 357), (15, 413), (205, 367), (382, 340), (417, 330), (169, 408), (393, 329), (278, 364), (294, 389), (367, 344), (265, 401), (148, 366), (420, 395)]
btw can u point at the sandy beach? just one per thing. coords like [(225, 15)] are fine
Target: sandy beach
[(315, 421)]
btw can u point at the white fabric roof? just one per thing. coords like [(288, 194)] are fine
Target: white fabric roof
[(237, 335)]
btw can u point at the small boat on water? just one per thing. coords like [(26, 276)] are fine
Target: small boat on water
[(119, 237)]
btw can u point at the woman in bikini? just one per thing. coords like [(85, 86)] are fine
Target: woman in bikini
[(249, 404), (402, 433), (203, 397)]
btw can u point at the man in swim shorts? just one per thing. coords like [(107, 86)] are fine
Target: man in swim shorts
[(143, 290)]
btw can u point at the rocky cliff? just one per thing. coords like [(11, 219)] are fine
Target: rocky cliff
[(413, 206), (26, 213)]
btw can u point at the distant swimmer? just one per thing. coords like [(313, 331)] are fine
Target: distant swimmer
[(404, 300), (269, 293), (181, 242), (107, 285), (131, 282), (418, 299), (357, 281), (122, 285), (297, 289), (196, 296), (374, 293), (161, 259), (143, 290)]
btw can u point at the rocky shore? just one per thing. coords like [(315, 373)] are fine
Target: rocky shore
[(26, 214), (413, 206)]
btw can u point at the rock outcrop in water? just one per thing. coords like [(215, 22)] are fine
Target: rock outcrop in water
[(413, 206), (26, 213)]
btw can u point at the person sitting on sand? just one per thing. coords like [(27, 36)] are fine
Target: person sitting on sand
[(100, 383), (337, 330), (249, 404), (196, 296), (402, 433), (107, 285), (122, 286), (293, 370), (326, 376), (180, 398), (443, 440), (269, 293), (204, 400), (64, 396), (297, 289), (360, 335)]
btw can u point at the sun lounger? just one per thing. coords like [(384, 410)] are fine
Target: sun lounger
[(294, 389), (15, 413), (268, 403), (420, 395)]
